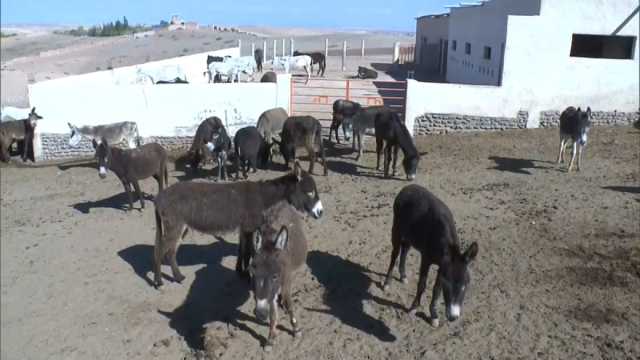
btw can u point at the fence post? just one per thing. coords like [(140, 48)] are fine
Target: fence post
[(284, 46), (344, 55), (396, 52), (264, 49), (326, 47), (362, 52), (253, 48), (291, 46), (348, 89), (275, 48)]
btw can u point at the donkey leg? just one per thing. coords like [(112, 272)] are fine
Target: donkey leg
[(139, 193), (273, 323), (395, 158), (387, 159), (422, 284), (404, 250), (127, 189), (311, 152), (288, 306), (176, 234), (395, 241), (580, 148), (573, 155), (379, 145), (435, 295), (560, 155)]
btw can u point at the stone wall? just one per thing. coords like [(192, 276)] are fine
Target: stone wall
[(551, 118), (56, 146), (432, 123)]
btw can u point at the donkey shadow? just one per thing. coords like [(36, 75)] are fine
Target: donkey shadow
[(514, 165), (119, 202), (215, 295), (346, 287)]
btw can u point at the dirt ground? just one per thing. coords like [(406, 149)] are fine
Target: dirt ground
[(557, 275)]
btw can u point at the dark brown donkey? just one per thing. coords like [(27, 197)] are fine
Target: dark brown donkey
[(219, 208), (18, 130), (423, 221), (131, 165), (302, 131), (279, 249)]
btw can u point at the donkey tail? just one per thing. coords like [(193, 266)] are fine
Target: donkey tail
[(166, 175), (138, 142)]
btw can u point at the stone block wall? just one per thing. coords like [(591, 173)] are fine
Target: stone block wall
[(432, 123), (551, 118), (56, 146)]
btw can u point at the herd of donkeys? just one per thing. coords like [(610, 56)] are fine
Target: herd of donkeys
[(267, 214)]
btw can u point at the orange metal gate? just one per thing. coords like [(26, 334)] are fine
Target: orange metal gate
[(316, 97)]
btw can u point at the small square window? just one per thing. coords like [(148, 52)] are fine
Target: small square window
[(487, 53), (467, 48), (454, 45)]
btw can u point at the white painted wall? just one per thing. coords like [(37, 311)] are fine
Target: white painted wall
[(539, 74), (482, 26)]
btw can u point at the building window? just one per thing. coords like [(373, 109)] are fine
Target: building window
[(602, 46), (454, 45), (487, 53), (467, 48)]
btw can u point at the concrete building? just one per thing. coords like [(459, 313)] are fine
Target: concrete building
[(482, 43)]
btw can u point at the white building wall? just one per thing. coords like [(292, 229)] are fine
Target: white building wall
[(481, 26)]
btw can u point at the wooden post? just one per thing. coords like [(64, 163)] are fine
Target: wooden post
[(362, 52), (264, 50), (396, 52), (347, 87), (275, 48), (291, 46), (284, 46), (344, 55), (326, 47)]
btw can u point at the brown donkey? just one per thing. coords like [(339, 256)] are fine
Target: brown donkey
[(131, 165), (220, 208), (279, 249)]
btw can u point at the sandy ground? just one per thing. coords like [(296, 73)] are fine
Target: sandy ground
[(41, 55), (557, 276)]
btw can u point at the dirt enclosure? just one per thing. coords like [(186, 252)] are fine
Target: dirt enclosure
[(557, 275)]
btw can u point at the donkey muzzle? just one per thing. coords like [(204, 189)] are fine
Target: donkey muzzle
[(317, 210), (453, 312), (262, 310), (102, 172)]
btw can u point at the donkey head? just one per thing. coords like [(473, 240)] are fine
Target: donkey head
[(304, 194), (454, 278), (268, 268), (584, 122), (410, 165), (33, 117), (103, 154)]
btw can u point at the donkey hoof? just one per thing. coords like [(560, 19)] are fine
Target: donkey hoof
[(297, 333), (158, 284), (404, 280), (268, 347), (179, 278), (435, 322), (412, 312)]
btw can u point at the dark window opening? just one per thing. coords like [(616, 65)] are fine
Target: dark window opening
[(467, 48), (454, 45), (602, 46), (487, 53)]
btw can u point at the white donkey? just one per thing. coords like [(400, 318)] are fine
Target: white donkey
[(231, 68), (293, 63), (114, 133)]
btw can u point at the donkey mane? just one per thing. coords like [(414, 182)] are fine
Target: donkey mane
[(405, 142)]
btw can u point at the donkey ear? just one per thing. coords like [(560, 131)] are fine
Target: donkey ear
[(94, 143), (257, 241), (70, 126), (33, 110), (283, 238), (471, 253), (589, 111)]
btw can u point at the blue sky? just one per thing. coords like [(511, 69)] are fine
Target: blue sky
[(367, 14)]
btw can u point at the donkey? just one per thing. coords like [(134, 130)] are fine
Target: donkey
[(389, 128), (114, 133), (269, 77), (258, 55), (316, 58), (18, 130), (364, 119), (279, 249), (131, 165), (574, 126), (270, 125), (251, 150), (198, 150), (220, 146), (366, 73), (299, 131), (219, 208), (343, 111), (423, 221)]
